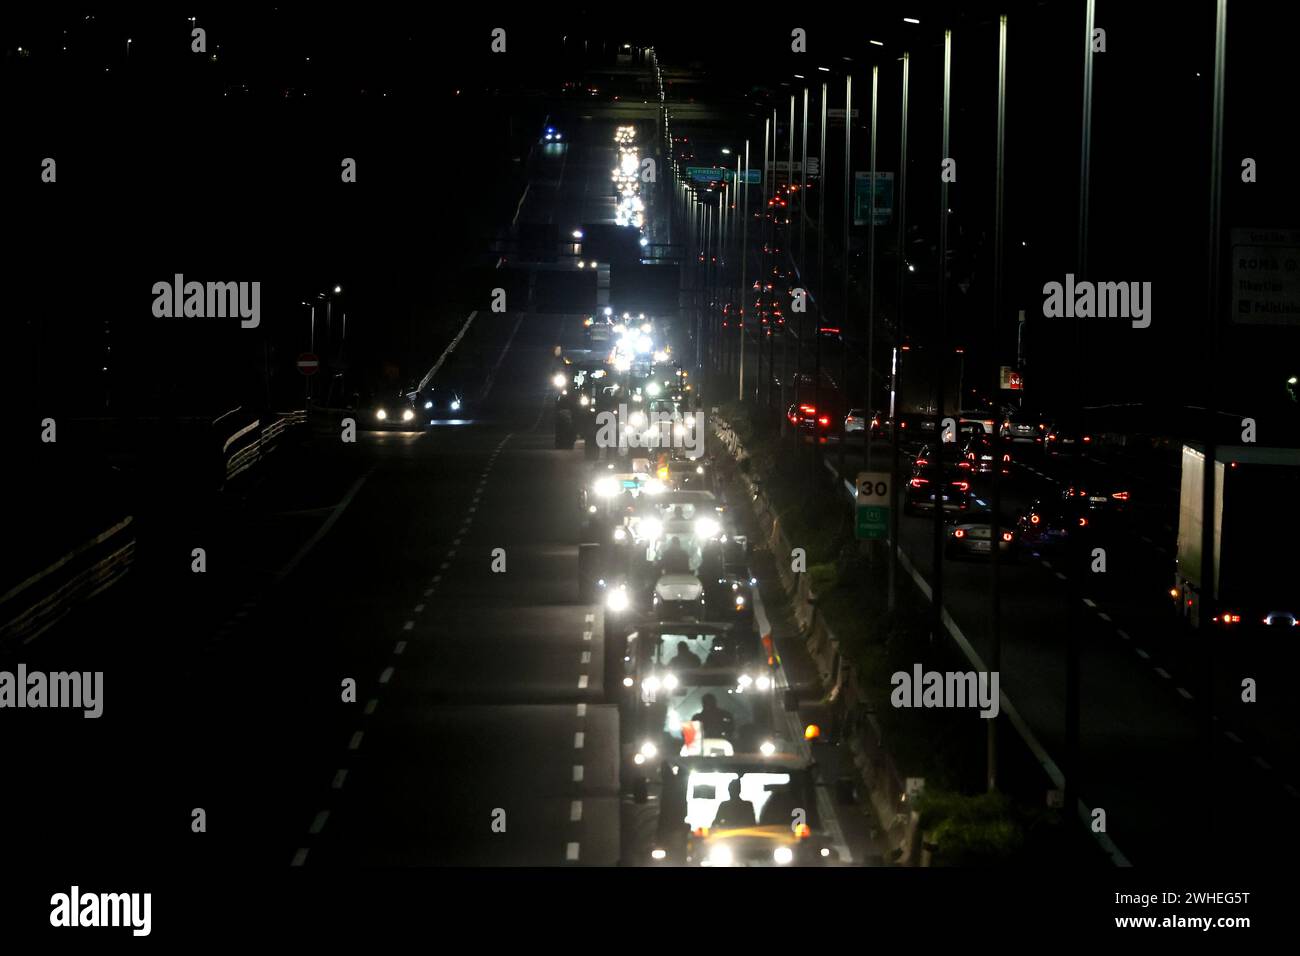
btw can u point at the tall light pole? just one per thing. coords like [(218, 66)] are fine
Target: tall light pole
[(895, 436), (821, 293), (995, 517), (789, 251), (765, 206), (941, 350), (744, 260), (803, 248), (871, 268), (844, 261)]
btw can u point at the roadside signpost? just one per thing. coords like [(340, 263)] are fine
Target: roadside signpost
[(873, 502)]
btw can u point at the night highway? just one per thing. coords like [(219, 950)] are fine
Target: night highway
[(457, 464)]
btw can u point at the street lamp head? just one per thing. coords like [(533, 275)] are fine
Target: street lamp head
[(338, 289)]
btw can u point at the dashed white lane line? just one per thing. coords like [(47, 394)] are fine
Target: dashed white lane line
[(1123, 634), (1291, 791), (1231, 736), (472, 509), (1163, 673), (586, 657), (400, 647), (300, 857), (582, 710), (579, 738), (419, 609), (577, 773), (371, 704), (438, 577), (455, 541), (582, 682), (1048, 565), (1262, 763), (1060, 576), (428, 592), (386, 676), (571, 852), (338, 779), (355, 742), (586, 635), (444, 566), (1142, 654), (319, 823), (1089, 602), (587, 619), (1104, 616), (1185, 692), (575, 811), (408, 626)]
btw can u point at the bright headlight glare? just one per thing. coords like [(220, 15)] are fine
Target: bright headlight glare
[(658, 854), (606, 487), (782, 855), (720, 855), (616, 600), (763, 683), (407, 415), (559, 380), (620, 534), (706, 527), (767, 748), (650, 528), (651, 684), (670, 682), (381, 414), (638, 419), (584, 401), (649, 750)]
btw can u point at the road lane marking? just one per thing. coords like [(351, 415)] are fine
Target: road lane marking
[(444, 566), (1123, 634), (1231, 736), (455, 541), (371, 704), (1185, 692), (401, 646), (386, 676), (339, 778), (1142, 654), (586, 657), (582, 710), (575, 811), (319, 823), (324, 529), (1264, 764), (419, 609), (586, 636), (408, 626), (1060, 575), (582, 682), (438, 577), (571, 851), (1089, 602), (300, 857), (577, 773), (578, 739), (589, 618), (1162, 672), (355, 742), (1103, 615), (428, 592)]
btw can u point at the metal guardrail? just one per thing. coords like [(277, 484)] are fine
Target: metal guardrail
[(36, 604), (264, 441)]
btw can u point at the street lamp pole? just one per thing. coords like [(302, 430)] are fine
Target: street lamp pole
[(744, 261), (844, 263), (821, 294), (896, 436), (803, 248), (785, 328), (941, 353), (871, 270)]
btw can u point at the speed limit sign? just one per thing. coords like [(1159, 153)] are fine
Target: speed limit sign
[(873, 502)]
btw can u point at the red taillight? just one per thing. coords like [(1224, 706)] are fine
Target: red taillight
[(1120, 496), (959, 533), (1087, 438), (1006, 457), (961, 485), (1034, 519), (823, 420), (1006, 535), (1083, 522), (918, 482), (802, 831), (922, 461)]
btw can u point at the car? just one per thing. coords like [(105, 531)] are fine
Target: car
[(551, 135), (1022, 427), (1066, 438), (806, 418), (729, 595), (678, 597), (393, 411), (971, 537), (976, 421), (982, 452), (1052, 521), (439, 401), (920, 494), (691, 474), (855, 422), (756, 809)]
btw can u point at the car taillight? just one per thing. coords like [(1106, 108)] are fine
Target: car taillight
[(1006, 535), (1006, 457), (802, 831), (959, 533), (823, 420), (1120, 496), (1083, 522), (918, 482), (961, 485), (1087, 438), (922, 461), (1034, 519)]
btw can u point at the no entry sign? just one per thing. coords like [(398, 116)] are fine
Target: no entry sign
[(308, 363)]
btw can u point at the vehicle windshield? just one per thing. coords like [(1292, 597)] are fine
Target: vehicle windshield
[(772, 796), (706, 648)]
